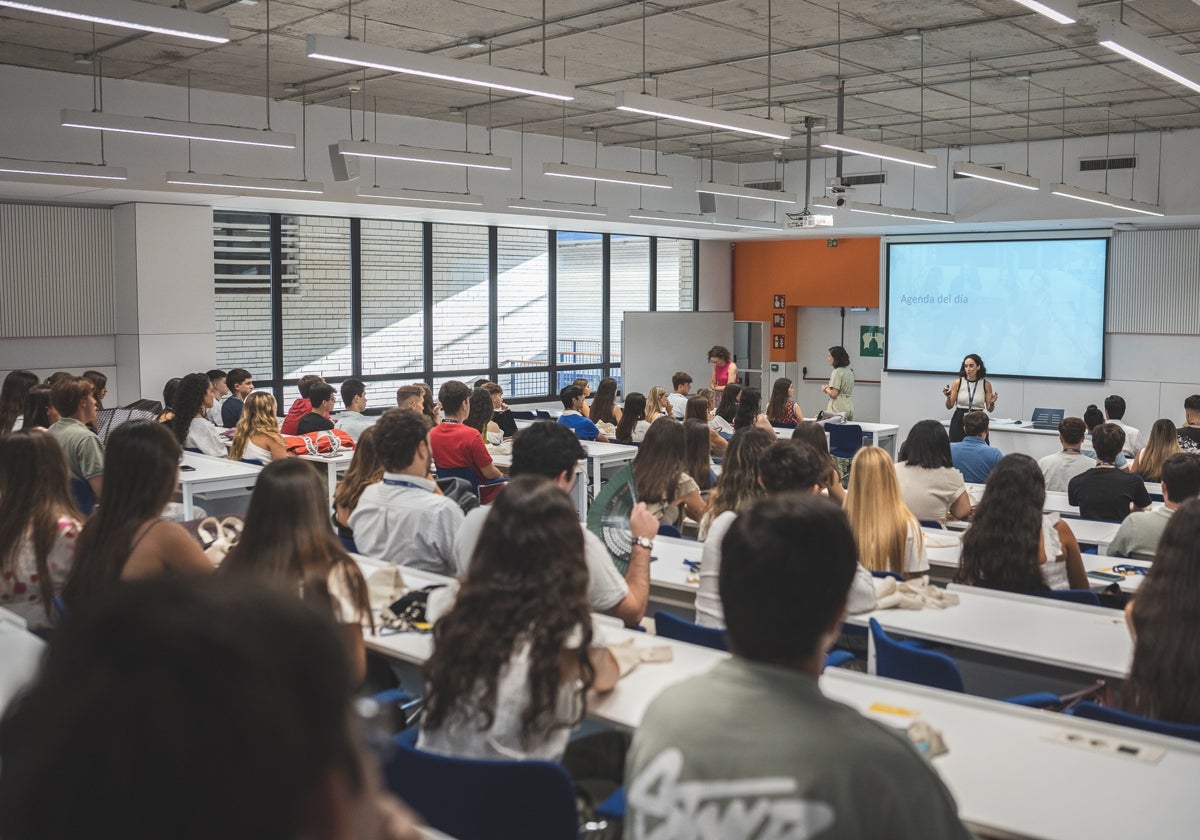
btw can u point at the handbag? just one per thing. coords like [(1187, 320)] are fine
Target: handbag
[(216, 537), (318, 443), (409, 611), (385, 586)]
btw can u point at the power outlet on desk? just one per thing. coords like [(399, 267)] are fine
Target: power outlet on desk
[(1098, 743)]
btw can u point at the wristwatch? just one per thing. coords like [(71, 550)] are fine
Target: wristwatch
[(644, 542)]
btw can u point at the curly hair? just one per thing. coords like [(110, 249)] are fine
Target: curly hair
[(526, 587), (481, 412), (188, 403), (737, 485), (259, 417), (1000, 549)]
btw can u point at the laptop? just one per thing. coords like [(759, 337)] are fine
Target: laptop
[(1047, 418)]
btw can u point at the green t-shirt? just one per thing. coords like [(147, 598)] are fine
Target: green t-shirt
[(85, 456), (752, 751)]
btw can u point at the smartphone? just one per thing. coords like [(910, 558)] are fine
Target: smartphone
[(186, 468), (1111, 578)]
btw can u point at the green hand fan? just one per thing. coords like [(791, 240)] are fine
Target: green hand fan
[(608, 516)]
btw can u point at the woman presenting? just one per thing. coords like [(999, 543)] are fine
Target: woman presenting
[(841, 384), (964, 394), (725, 371)]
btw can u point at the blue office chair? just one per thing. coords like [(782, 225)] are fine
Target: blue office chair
[(665, 530), (258, 462), (468, 475), (476, 799), (1092, 711), (889, 574), (85, 497), (837, 658), (844, 439), (522, 415), (1074, 596), (910, 663), (193, 450), (542, 414), (349, 544), (673, 627), (933, 523), (783, 425)]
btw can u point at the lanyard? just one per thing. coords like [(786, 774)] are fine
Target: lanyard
[(400, 482), (1070, 451), (971, 393)]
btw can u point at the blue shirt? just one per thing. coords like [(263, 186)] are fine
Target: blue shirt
[(583, 428), (974, 459), (231, 412)]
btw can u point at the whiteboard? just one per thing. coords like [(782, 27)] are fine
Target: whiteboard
[(654, 345)]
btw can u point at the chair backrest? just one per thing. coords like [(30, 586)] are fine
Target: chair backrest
[(1092, 711), (522, 415), (475, 799), (844, 439), (193, 449), (665, 530), (465, 473), (901, 662), (933, 523), (673, 627), (542, 414), (1075, 596), (783, 425), (258, 462), (888, 574), (85, 497)]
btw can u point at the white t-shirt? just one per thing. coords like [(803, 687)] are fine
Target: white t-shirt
[(1061, 467), (929, 494), (203, 435)]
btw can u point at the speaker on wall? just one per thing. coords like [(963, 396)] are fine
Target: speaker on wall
[(708, 203), (344, 168)]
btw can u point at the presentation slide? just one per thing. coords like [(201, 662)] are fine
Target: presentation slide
[(1030, 308)]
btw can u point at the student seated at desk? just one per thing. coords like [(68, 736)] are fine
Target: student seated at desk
[(317, 420), (501, 414), (452, 443), (700, 408), (241, 385), (755, 735), (697, 456), (1161, 444), (681, 385), (479, 417), (1011, 544), (749, 411), (814, 435), (604, 408), (632, 427), (170, 389), (1165, 673), (1141, 531), (287, 544), (190, 424), (1058, 469), (737, 485), (661, 481), (727, 409), (888, 535), (12, 399), (76, 408), (352, 421), (1105, 492), (573, 417), (1093, 418), (929, 483), (40, 413), (205, 709), (365, 469), (126, 538), (973, 456), (257, 435), (301, 406)]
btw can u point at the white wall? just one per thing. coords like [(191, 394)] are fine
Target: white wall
[(716, 276), (818, 329)]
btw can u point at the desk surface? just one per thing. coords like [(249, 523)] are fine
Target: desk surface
[(1056, 500), (1086, 531), (20, 656), (207, 468)]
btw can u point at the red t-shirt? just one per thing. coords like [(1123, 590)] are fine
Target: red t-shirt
[(299, 408), (457, 445)]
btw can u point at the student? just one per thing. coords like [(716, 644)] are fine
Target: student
[(287, 544), (668, 491), (58, 376), (657, 404), (501, 414), (1140, 533), (429, 406), (699, 408), (1114, 412), (454, 444), (827, 768), (814, 435), (76, 407), (205, 709), (40, 413), (126, 538), (1161, 444), (99, 386), (633, 425), (550, 450), (1162, 618), (170, 389), (240, 384), (972, 456), (39, 527), (479, 417), (411, 397), (1105, 492), (514, 658), (681, 384), (257, 436), (1011, 544), (1058, 469), (217, 379), (930, 485), (781, 408), (888, 535), (365, 469), (403, 519), (737, 485), (322, 400), (352, 421), (1092, 418), (1189, 435), (12, 399), (604, 408), (749, 411), (697, 455), (727, 409), (302, 405), (586, 387), (574, 418), (190, 426)]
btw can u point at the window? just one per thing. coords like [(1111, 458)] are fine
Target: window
[(675, 283), (580, 318), (242, 278), (460, 297), (522, 310), (316, 314), (393, 305), (629, 261)]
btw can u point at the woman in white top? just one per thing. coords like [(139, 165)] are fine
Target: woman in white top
[(257, 435), (514, 658), (964, 394), (190, 425), (38, 528), (632, 426), (888, 535), (929, 483), (1011, 544)]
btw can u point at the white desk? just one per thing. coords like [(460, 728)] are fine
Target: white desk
[(210, 474), (1086, 531), (1056, 500), (579, 493), (334, 464), (1023, 438), (602, 455), (1096, 563), (20, 656), (882, 435)]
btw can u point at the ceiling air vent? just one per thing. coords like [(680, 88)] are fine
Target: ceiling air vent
[(765, 185), (998, 166), (1101, 164), (864, 180)]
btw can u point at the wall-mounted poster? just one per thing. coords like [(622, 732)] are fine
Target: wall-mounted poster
[(779, 320), (781, 301), (870, 341), (778, 342)]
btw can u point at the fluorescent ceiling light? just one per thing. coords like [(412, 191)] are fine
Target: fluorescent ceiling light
[(845, 143), (748, 223), (239, 182), (1137, 47), (435, 67), (824, 202), (611, 176), (421, 196), (669, 109), (122, 124), (62, 170), (143, 16), (996, 176), (1059, 11), (1106, 200), (556, 207), (901, 213), (745, 192), (359, 148), (664, 216)]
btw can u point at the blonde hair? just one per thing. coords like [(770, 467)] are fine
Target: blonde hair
[(258, 418), (878, 516), (1163, 442), (710, 395), (654, 401)]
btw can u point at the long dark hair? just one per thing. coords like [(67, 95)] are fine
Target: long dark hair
[(481, 411), (601, 410), (729, 402), (738, 484), (288, 544), (1164, 680), (35, 490), (365, 469), (12, 397), (1000, 549), (697, 453), (748, 408), (526, 585), (696, 408), (99, 383), (981, 370), (635, 407), (927, 446), (140, 470), (659, 461), (37, 408), (814, 435), (840, 357), (777, 405), (189, 401)]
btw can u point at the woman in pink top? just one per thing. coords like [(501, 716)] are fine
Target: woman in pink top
[(724, 370)]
